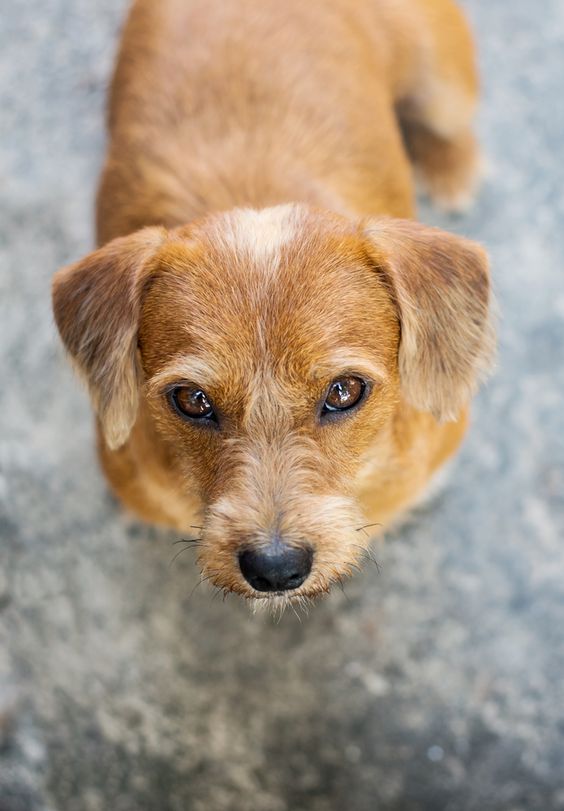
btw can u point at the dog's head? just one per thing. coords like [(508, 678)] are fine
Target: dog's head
[(269, 351)]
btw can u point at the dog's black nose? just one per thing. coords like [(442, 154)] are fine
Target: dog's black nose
[(276, 567)]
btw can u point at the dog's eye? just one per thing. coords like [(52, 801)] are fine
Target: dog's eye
[(344, 393), (191, 401)]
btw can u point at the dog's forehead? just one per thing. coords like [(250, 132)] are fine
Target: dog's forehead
[(283, 284), (268, 248)]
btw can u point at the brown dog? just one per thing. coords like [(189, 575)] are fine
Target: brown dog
[(291, 370)]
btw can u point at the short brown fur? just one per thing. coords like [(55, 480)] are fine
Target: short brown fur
[(296, 110)]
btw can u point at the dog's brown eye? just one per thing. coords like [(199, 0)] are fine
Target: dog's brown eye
[(344, 393), (192, 402)]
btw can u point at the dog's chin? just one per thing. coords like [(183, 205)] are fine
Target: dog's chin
[(276, 602)]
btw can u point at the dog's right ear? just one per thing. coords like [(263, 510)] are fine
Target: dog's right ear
[(97, 304), (440, 285)]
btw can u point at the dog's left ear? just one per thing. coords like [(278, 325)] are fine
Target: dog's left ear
[(441, 288), (97, 303)]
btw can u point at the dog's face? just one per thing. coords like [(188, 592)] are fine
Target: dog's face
[(268, 353)]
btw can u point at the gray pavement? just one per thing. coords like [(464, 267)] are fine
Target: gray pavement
[(436, 685)]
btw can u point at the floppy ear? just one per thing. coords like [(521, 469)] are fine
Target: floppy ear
[(440, 285), (96, 303)]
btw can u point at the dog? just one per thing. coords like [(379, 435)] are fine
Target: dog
[(277, 353)]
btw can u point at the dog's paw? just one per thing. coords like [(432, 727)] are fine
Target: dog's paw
[(453, 191), (452, 179)]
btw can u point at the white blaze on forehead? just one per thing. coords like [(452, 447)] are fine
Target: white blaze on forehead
[(261, 233)]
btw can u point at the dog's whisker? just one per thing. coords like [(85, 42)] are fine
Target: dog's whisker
[(184, 549), (202, 579), (205, 578), (191, 541), (367, 555), (194, 587), (367, 526), (304, 604), (375, 562), (196, 584), (342, 587)]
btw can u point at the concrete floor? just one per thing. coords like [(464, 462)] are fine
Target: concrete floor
[(436, 685)]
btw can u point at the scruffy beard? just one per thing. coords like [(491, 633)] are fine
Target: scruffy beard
[(276, 604)]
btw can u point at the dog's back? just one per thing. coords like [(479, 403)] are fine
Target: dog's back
[(219, 103)]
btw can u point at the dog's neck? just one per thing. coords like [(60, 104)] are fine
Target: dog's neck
[(173, 192)]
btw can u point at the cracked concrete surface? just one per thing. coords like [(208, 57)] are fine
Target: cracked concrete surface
[(436, 685)]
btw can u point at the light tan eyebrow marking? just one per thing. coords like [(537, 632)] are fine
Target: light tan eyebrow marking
[(350, 360), (192, 368)]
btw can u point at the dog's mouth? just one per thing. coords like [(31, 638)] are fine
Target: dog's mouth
[(299, 601), (278, 603), (226, 583)]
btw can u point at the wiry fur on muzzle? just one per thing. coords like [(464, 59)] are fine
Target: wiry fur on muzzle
[(278, 488)]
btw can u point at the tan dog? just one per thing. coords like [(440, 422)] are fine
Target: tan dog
[(288, 371)]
